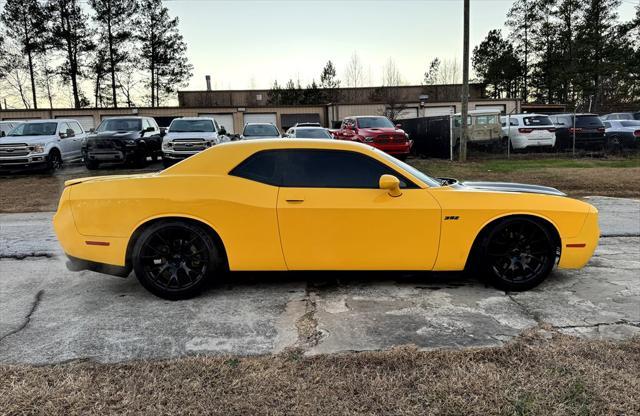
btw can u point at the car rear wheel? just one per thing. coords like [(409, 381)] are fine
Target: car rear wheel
[(175, 260), (518, 254)]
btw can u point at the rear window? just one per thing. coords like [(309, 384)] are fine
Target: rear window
[(312, 134), (537, 121), (588, 121)]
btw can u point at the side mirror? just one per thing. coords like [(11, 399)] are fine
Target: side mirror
[(70, 133), (163, 131), (2, 133), (62, 135), (92, 130), (398, 126), (391, 184), (222, 131)]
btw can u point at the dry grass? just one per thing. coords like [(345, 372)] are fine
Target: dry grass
[(531, 376)]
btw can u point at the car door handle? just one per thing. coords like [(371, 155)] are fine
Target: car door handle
[(295, 200)]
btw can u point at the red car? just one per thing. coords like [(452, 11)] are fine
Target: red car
[(377, 131)]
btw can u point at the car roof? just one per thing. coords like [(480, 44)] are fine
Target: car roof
[(192, 118), (308, 128), (577, 114)]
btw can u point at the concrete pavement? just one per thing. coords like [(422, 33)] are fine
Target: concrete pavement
[(49, 315)]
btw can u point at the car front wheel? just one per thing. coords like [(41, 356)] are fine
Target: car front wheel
[(518, 254), (175, 260)]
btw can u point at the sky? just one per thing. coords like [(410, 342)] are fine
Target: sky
[(250, 43)]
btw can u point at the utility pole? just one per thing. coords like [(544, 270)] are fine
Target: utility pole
[(465, 84)]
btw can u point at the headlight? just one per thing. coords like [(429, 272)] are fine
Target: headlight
[(38, 148), (368, 139), (130, 142), (167, 145)]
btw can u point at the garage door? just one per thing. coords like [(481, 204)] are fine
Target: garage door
[(86, 122), (407, 113), (260, 118), (437, 111), (225, 120), (501, 108)]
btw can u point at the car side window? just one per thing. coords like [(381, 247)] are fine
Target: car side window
[(260, 167), (63, 127), (76, 127), (145, 124), (317, 168)]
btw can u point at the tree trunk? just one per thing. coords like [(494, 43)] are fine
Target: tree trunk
[(111, 62)]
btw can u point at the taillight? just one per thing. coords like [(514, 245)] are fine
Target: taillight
[(636, 133), (525, 130), (576, 130)]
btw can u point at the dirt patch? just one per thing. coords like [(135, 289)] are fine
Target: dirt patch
[(538, 374)]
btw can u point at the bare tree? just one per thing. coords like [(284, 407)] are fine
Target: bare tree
[(450, 72), (354, 74), (47, 78), (391, 76)]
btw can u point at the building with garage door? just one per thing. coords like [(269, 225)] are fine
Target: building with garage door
[(234, 108)]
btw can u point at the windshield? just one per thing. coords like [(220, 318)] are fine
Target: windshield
[(374, 122), (312, 134), (120, 124), (263, 130), (35, 129), (537, 121), (432, 182), (630, 123), (184, 126)]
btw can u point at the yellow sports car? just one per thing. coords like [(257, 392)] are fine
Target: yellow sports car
[(315, 205)]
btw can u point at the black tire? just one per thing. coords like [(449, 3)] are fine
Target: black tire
[(175, 259), (613, 144), (517, 254), (54, 160), (91, 164), (140, 159)]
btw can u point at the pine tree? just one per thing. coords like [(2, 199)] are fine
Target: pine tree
[(495, 62), (163, 50), (431, 76), (71, 35), (113, 19), (329, 82), (521, 18), (25, 23)]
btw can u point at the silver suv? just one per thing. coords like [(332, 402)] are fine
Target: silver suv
[(41, 144), (187, 136)]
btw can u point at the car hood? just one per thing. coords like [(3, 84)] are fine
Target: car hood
[(209, 135), (115, 135), (27, 139), (381, 130), (259, 137), (513, 187)]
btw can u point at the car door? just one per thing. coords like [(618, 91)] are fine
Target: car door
[(65, 141), (332, 215), (75, 142)]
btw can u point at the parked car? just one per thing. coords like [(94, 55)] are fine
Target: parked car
[(588, 129), (123, 140), (622, 116), (622, 134), (308, 133), (260, 131), (376, 131), (312, 205), (528, 130), (8, 125), (484, 129), (41, 144), (189, 135)]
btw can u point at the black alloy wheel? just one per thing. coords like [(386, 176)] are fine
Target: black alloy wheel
[(518, 254), (54, 160), (175, 259)]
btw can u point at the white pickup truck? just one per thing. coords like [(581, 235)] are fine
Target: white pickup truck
[(41, 144), (187, 136)]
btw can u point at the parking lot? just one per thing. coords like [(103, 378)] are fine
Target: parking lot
[(51, 315)]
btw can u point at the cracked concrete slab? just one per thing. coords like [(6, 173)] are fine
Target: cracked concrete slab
[(109, 319)]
